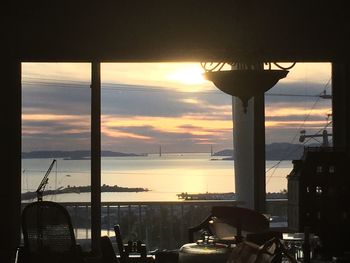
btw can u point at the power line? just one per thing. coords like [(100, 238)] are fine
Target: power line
[(133, 88), (51, 82), (288, 153)]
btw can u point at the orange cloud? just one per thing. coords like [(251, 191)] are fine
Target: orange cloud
[(286, 124), (52, 117), (186, 124), (119, 134), (287, 111), (70, 124)]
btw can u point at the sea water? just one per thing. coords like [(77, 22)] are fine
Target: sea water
[(165, 176)]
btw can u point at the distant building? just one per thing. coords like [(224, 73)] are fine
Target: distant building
[(318, 196)]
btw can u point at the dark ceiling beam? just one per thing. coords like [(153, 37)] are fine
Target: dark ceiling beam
[(182, 30)]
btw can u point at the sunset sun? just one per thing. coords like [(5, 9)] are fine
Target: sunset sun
[(188, 75)]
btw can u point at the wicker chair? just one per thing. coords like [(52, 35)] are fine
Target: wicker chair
[(48, 234)]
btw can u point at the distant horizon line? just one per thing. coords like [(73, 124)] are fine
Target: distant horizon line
[(120, 151), (115, 151)]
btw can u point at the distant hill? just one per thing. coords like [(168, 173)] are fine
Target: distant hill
[(72, 155), (285, 151), (275, 151)]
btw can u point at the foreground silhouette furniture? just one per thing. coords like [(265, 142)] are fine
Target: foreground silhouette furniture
[(48, 234), (132, 251), (262, 237), (230, 223), (222, 230), (107, 251), (119, 239), (272, 251)]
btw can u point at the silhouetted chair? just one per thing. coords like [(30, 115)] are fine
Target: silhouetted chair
[(121, 248), (48, 234), (272, 251), (230, 223), (108, 254), (262, 237), (203, 227)]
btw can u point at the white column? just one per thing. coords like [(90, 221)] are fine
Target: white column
[(243, 143)]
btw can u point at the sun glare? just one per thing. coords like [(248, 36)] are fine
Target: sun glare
[(188, 75)]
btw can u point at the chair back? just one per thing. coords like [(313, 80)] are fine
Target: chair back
[(229, 222), (243, 219), (119, 239), (108, 254), (48, 233)]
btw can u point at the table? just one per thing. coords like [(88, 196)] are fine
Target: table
[(204, 253), (139, 259), (295, 243)]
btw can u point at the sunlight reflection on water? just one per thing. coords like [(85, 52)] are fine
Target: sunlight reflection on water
[(165, 176)]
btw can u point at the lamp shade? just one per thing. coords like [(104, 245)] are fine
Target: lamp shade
[(245, 84)]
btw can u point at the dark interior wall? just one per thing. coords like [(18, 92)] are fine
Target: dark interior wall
[(340, 108), (145, 31), (10, 198), (183, 30), (10, 108)]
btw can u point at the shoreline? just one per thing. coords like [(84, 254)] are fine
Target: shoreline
[(226, 196), (85, 189)]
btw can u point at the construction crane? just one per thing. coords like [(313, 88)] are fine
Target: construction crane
[(44, 181)]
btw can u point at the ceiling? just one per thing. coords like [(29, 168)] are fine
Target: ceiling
[(178, 30)]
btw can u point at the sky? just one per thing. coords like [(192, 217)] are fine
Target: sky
[(145, 105)]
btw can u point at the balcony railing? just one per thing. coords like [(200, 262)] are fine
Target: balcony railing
[(161, 225)]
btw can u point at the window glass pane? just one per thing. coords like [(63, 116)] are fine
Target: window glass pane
[(162, 122), (297, 111), (56, 126)]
